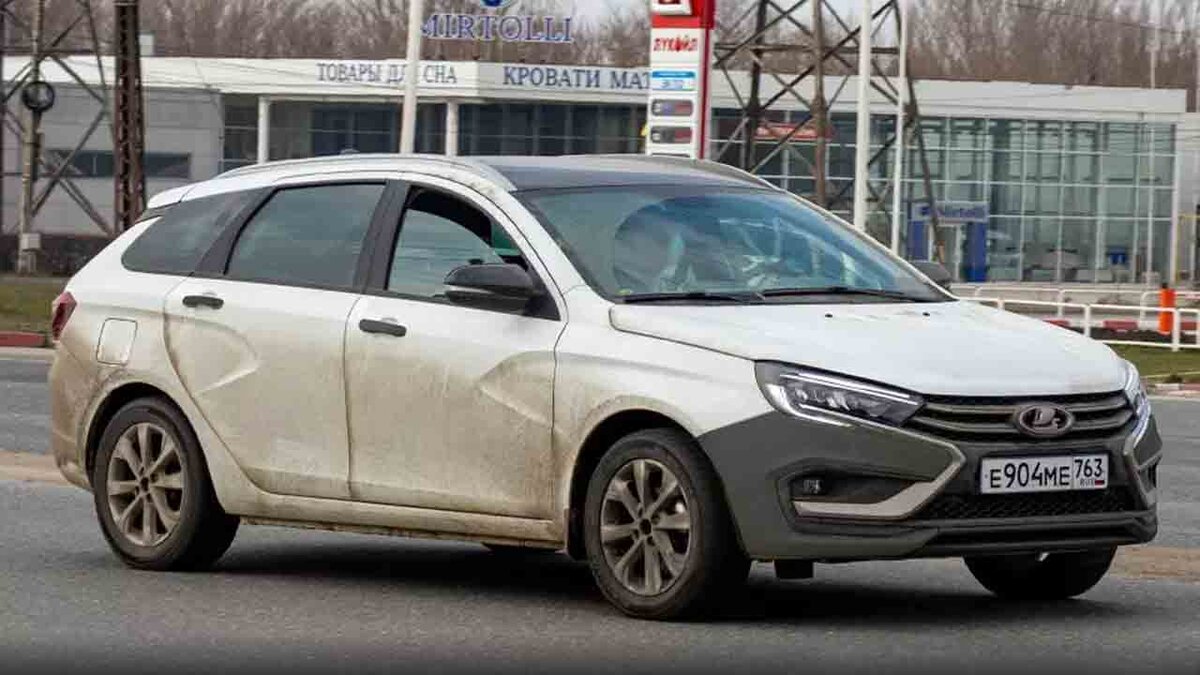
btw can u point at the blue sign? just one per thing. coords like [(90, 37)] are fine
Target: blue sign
[(492, 27), (673, 80), (954, 212)]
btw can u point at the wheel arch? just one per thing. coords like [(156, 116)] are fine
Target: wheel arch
[(108, 408), (598, 441)]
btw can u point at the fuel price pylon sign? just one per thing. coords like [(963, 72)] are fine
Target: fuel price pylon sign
[(681, 47)]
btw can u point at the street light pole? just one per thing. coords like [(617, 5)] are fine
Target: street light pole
[(862, 155), (901, 102), (28, 242), (1195, 244), (1151, 178), (412, 74)]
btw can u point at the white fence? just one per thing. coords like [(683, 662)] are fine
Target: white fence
[(1147, 298), (1089, 318)]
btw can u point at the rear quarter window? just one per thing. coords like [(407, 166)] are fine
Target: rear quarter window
[(176, 243)]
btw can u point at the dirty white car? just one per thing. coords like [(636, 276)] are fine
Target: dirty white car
[(668, 368)]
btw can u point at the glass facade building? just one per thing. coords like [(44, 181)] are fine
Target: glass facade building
[(1065, 200), (1079, 195)]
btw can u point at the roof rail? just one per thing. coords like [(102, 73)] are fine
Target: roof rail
[(478, 168)]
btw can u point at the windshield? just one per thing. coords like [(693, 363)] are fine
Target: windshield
[(695, 243)]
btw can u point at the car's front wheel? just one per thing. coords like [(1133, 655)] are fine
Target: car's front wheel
[(659, 538), (1047, 576), (152, 493)]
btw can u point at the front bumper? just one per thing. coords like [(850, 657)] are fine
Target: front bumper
[(933, 507)]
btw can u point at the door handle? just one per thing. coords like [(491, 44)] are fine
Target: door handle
[(210, 301), (382, 327)]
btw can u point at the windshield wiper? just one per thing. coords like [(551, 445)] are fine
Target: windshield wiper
[(691, 295), (844, 290)]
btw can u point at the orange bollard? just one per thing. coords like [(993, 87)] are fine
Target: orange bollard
[(1166, 320)]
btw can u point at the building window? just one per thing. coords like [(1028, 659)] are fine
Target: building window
[(100, 164), (337, 129), (550, 129), (241, 134)]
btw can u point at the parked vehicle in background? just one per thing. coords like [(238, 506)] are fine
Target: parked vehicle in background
[(667, 368)]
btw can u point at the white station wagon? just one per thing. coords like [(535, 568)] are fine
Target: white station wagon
[(667, 368)]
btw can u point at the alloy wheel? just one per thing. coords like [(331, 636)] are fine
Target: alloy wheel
[(145, 484), (645, 527)]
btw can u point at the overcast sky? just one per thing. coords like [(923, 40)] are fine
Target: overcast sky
[(593, 8)]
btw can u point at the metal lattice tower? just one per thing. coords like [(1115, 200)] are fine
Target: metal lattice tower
[(24, 31), (129, 124), (789, 48)]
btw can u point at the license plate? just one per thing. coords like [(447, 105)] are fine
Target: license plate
[(1043, 474)]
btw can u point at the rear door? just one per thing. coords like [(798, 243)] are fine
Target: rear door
[(451, 407), (257, 336)]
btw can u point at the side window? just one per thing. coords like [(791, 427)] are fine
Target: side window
[(438, 234), (176, 243), (309, 236)]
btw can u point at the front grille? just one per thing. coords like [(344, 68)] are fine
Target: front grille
[(990, 420), (964, 507)]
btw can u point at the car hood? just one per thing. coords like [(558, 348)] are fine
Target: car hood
[(953, 348)]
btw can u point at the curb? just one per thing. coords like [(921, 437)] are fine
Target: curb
[(19, 339), (43, 354), (1119, 325), (1191, 390)]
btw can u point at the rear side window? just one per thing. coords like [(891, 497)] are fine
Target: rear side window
[(309, 236), (176, 243)]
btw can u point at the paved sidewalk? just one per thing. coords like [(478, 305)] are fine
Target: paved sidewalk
[(25, 466)]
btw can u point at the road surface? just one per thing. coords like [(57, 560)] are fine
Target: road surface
[(299, 601)]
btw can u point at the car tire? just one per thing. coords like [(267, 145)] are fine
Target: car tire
[(1053, 576), (679, 506), (152, 492)]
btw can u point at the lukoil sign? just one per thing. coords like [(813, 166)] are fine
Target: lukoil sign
[(678, 119), (491, 26)]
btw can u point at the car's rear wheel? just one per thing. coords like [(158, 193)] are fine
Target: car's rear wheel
[(659, 538), (1049, 576), (152, 492)]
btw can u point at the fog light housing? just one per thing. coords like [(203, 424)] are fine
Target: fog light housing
[(812, 486), (843, 487)]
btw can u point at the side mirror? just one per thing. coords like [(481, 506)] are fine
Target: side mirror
[(502, 287), (936, 272)]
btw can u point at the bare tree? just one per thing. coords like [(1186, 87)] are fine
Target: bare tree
[(1102, 42)]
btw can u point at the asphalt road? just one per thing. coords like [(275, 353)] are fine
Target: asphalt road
[(24, 406), (300, 601)]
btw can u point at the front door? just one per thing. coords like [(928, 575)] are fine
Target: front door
[(450, 407), (259, 343)]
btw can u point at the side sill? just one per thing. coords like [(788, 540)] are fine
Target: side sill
[(403, 532)]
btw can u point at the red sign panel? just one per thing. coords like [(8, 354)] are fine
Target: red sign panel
[(683, 13)]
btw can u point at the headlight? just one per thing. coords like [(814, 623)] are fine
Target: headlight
[(1135, 390), (806, 393)]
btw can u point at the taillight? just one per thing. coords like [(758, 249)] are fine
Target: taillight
[(60, 313)]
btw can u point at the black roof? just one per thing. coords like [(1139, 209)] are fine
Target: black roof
[(536, 173)]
